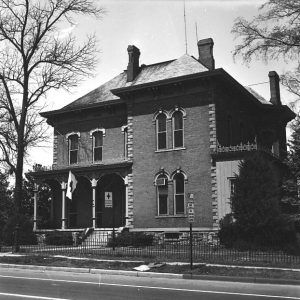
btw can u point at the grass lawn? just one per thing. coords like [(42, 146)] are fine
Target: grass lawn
[(95, 263)]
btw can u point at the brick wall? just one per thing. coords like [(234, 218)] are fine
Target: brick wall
[(194, 160), (113, 141)]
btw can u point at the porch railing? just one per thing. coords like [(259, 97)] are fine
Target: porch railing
[(243, 148)]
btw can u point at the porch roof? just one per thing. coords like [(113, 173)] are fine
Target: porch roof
[(91, 171)]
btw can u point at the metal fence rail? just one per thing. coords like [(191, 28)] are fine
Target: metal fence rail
[(204, 250)]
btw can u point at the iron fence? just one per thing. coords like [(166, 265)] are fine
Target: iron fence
[(205, 250)]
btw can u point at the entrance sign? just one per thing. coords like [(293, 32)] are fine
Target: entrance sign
[(191, 218), (108, 197), (190, 208)]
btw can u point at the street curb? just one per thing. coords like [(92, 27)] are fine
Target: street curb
[(94, 271), (136, 273), (45, 268), (242, 279), (156, 274)]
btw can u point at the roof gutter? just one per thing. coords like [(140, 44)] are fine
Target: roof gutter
[(120, 91), (216, 72), (47, 114)]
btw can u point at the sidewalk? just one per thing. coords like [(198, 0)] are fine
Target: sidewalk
[(157, 274)]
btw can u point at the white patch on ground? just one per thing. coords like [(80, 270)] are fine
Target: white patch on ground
[(10, 254)]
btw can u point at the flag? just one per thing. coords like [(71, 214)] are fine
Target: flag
[(72, 182)]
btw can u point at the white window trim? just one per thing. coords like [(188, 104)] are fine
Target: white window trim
[(230, 181), (97, 129), (177, 108), (124, 129), (69, 156), (93, 145), (173, 130), (160, 111), (156, 131), (174, 192), (72, 133), (157, 196)]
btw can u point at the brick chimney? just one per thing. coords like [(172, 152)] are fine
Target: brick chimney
[(206, 57), (133, 63), (274, 88)]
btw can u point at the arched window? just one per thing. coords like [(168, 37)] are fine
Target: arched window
[(179, 194), (177, 129), (162, 195), (73, 148), (161, 131), (97, 145)]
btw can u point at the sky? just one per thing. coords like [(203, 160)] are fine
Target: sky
[(157, 28)]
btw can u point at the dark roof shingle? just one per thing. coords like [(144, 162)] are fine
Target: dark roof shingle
[(184, 65)]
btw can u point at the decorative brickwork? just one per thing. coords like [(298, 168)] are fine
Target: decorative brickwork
[(130, 134), (130, 158), (213, 147), (55, 149), (130, 201), (212, 127)]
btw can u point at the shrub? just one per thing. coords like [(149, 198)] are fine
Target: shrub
[(256, 221), (135, 239), (25, 233), (278, 234), (59, 238), (228, 231)]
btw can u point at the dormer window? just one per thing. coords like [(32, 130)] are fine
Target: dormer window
[(73, 148)]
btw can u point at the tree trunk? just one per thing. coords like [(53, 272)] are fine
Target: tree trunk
[(18, 193)]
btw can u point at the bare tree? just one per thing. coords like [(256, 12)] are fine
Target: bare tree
[(273, 34), (34, 60)]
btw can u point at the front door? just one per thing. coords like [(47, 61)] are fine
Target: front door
[(110, 204)]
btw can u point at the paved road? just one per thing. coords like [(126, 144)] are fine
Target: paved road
[(30, 284)]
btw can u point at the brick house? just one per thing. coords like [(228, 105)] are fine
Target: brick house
[(155, 136)]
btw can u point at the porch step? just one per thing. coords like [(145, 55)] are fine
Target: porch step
[(97, 238)]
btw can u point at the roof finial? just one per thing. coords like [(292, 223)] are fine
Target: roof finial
[(196, 32), (185, 26)]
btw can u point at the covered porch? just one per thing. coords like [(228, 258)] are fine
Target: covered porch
[(100, 199)]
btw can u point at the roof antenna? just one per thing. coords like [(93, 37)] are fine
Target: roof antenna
[(196, 31), (185, 26)]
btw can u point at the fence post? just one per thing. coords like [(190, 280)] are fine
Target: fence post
[(191, 246), (113, 237)]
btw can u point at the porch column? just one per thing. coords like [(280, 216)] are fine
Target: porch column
[(35, 200), (63, 205), (94, 185), (126, 201)]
